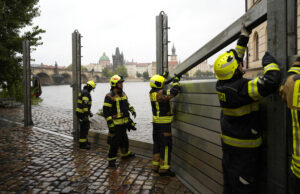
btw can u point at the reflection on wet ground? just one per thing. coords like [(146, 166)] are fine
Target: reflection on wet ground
[(36, 162)]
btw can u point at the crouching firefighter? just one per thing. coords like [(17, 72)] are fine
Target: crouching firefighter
[(290, 93), (162, 118), (83, 112), (240, 131), (116, 110)]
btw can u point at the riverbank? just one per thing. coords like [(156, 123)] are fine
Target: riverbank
[(60, 120)]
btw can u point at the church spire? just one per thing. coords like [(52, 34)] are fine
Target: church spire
[(173, 50)]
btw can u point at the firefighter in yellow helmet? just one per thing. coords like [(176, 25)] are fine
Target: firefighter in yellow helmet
[(289, 92), (116, 110), (162, 118), (83, 112), (240, 131)]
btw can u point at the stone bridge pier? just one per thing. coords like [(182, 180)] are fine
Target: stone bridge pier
[(56, 76)]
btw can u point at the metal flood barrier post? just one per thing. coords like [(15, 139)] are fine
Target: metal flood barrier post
[(162, 43), (197, 153), (76, 78), (26, 84)]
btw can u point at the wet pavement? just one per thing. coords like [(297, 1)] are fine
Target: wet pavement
[(35, 161), (60, 120)]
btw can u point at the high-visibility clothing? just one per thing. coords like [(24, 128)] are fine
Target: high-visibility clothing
[(290, 89), (162, 147), (116, 110), (161, 105), (162, 118), (239, 104), (84, 103), (240, 130)]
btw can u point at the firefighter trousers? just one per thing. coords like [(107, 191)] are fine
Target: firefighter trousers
[(294, 183), (162, 147), (241, 170), (116, 140), (84, 129)]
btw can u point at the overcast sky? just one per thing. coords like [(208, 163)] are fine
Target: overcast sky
[(129, 25)]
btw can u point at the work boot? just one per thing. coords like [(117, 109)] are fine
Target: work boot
[(112, 163), (168, 173), (84, 146), (131, 154)]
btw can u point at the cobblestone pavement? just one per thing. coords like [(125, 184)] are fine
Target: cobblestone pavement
[(32, 161), (60, 120)]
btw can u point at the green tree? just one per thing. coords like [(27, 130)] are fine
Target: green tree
[(138, 74), (15, 15), (106, 72), (121, 70), (83, 68), (146, 75)]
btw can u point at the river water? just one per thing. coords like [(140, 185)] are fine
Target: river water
[(60, 98)]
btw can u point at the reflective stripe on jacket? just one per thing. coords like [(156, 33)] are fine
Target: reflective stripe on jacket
[(239, 105), (84, 103), (161, 105), (116, 109), (295, 114)]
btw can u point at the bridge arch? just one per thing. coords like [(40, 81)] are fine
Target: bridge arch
[(96, 78), (84, 78), (67, 78), (45, 79)]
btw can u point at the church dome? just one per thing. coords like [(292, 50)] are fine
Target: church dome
[(104, 57)]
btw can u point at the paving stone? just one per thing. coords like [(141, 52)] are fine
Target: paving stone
[(38, 162)]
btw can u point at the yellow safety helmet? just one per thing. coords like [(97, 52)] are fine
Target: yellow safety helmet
[(91, 83), (115, 79), (157, 81), (225, 65)]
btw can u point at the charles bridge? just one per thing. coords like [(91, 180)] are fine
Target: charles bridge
[(54, 75)]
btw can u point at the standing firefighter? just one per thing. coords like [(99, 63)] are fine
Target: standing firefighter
[(83, 111), (116, 112), (239, 100), (162, 119), (290, 92)]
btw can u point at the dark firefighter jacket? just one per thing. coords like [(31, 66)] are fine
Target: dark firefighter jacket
[(116, 109), (161, 105), (84, 104), (288, 90), (239, 102)]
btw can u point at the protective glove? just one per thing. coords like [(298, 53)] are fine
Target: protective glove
[(91, 114), (176, 79), (165, 74), (244, 31), (131, 125), (133, 114), (268, 59)]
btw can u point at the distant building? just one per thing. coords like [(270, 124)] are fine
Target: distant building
[(104, 61), (131, 69), (98, 67), (203, 67), (173, 56), (118, 59), (144, 67)]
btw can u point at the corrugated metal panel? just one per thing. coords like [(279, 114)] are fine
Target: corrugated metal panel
[(196, 137)]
